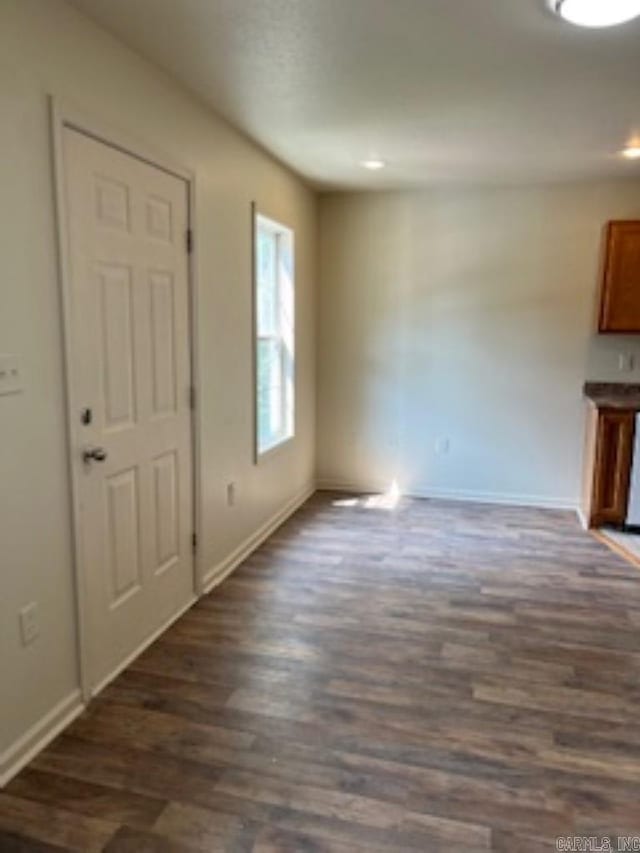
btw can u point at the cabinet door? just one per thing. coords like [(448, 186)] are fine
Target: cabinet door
[(620, 297), (614, 448)]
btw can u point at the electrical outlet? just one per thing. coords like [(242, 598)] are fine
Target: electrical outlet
[(442, 446), (231, 494), (10, 378), (29, 623), (625, 362)]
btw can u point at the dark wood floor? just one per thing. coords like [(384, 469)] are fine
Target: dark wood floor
[(444, 677)]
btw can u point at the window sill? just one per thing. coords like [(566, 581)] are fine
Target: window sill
[(274, 449)]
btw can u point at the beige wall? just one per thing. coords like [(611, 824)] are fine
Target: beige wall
[(463, 315), (47, 47)]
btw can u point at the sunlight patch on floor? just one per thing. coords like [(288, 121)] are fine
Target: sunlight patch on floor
[(385, 500)]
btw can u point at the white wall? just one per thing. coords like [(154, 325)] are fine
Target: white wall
[(47, 47), (463, 315)]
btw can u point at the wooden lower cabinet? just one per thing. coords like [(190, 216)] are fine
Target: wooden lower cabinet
[(609, 453)]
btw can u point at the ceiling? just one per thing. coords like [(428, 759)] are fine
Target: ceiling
[(445, 91)]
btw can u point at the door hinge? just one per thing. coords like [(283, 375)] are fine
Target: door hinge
[(194, 542), (189, 238), (192, 397)]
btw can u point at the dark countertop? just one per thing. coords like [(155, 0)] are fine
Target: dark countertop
[(613, 395)]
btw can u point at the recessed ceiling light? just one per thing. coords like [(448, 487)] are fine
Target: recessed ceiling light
[(596, 13), (632, 152), (374, 164)]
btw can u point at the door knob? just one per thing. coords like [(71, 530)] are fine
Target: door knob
[(94, 454)]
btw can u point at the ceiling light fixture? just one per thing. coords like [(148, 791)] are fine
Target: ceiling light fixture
[(596, 13), (632, 152), (373, 164)]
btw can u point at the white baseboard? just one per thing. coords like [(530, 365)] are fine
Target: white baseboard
[(220, 571), (582, 518), (328, 484), (39, 735), (500, 498)]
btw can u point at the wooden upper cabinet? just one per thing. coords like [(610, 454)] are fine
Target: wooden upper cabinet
[(620, 294)]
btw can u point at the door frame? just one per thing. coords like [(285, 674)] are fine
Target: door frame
[(64, 115)]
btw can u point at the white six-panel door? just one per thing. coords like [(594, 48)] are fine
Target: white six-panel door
[(128, 306)]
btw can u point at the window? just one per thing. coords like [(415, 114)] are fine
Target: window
[(275, 338)]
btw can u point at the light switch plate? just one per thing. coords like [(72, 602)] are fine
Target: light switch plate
[(10, 375)]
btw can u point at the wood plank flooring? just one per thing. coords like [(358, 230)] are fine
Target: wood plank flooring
[(440, 677)]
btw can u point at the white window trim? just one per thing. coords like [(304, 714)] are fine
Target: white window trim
[(278, 228)]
